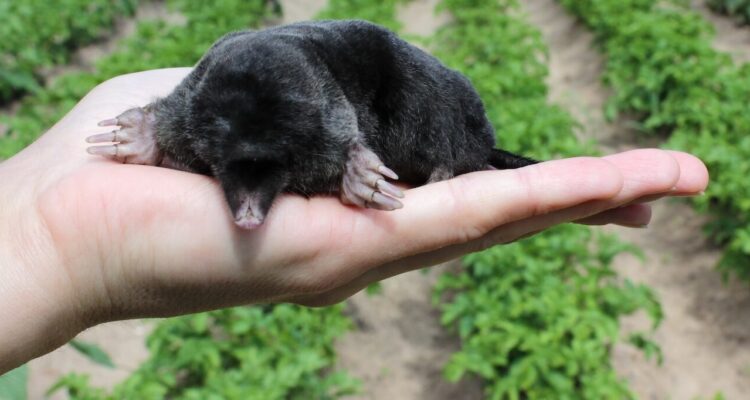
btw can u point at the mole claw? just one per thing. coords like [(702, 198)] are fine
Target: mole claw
[(102, 137), (389, 189), (385, 202), (102, 150), (387, 172), (108, 122)]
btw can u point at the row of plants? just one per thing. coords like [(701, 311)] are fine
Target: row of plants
[(666, 75), (739, 9), (38, 34), (274, 352), (538, 318), (259, 352)]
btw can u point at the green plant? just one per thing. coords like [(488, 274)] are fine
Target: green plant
[(262, 352), (38, 33), (664, 71), (537, 319), (13, 384), (739, 9), (381, 12)]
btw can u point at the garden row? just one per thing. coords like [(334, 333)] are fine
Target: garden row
[(38, 33), (665, 73), (260, 352), (538, 318)]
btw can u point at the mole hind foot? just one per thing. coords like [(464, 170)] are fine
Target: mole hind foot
[(363, 183), (133, 143)]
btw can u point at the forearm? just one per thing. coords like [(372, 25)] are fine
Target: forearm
[(35, 316)]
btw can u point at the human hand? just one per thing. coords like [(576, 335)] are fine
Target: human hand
[(85, 240)]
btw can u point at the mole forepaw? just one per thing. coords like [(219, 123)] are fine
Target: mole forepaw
[(364, 182), (134, 142)]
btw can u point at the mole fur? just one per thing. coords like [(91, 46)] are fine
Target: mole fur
[(302, 108)]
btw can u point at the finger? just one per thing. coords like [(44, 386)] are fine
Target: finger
[(636, 184), (634, 215), (446, 218), (505, 234), (694, 176), (647, 172)]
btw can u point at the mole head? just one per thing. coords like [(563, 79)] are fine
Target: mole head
[(246, 141)]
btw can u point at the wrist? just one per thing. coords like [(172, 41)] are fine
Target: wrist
[(37, 308)]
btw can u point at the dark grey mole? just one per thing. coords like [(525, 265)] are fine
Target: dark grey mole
[(313, 108)]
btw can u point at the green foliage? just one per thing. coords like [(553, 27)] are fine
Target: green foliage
[(92, 352), (155, 44), (739, 9), (381, 12), (537, 319), (13, 384), (39, 33), (263, 352), (663, 69)]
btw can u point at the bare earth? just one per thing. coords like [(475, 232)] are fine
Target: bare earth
[(398, 347)]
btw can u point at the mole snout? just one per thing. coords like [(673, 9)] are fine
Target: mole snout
[(313, 108)]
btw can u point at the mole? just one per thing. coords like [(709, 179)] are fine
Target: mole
[(329, 107)]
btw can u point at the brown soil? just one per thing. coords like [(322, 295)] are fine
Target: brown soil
[(706, 329)]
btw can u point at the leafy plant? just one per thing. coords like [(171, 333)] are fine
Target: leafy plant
[(263, 352), (663, 70), (538, 318), (38, 33), (92, 352), (13, 384)]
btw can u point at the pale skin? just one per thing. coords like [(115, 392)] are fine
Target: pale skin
[(85, 240)]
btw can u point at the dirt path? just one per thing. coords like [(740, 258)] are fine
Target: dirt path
[(706, 329)]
